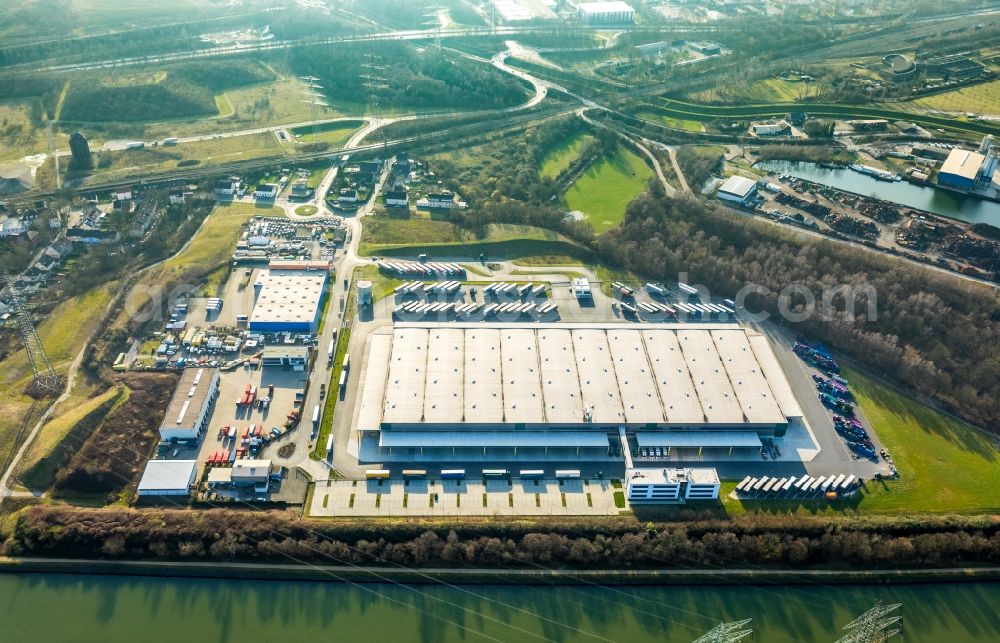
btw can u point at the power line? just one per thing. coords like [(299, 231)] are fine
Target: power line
[(727, 633), (45, 378), (877, 625)]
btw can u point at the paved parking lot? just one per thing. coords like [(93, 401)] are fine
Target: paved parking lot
[(463, 498), (231, 387)]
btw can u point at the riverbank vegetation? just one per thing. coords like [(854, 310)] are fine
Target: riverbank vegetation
[(607, 543)]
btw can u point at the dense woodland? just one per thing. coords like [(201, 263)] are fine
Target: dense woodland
[(607, 543), (397, 74), (938, 335), (935, 334)]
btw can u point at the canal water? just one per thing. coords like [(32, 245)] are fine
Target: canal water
[(943, 202), (67, 608)]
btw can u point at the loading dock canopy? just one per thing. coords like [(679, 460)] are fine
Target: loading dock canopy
[(566, 439), (698, 439)]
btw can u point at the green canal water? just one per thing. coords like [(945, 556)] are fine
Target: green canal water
[(931, 199), (54, 608)]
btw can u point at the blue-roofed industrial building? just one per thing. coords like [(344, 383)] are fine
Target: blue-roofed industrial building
[(961, 169), (289, 297)]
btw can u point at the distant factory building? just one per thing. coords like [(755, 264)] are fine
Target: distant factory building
[(510, 11), (706, 48), (961, 169), (289, 297), (737, 189), (605, 13), (187, 415), (79, 147)]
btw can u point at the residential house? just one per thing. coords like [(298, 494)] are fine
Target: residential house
[(397, 199)]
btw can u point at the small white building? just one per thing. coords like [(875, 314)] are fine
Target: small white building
[(255, 473), (226, 188), (776, 128), (737, 189), (188, 412), (167, 478), (347, 195), (670, 485), (581, 288), (605, 13)]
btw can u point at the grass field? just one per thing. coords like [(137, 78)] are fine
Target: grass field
[(385, 230), (335, 134), (18, 133), (980, 99), (561, 157), (945, 465), (212, 246), (62, 333), (607, 187), (672, 123), (218, 150), (770, 90), (261, 105), (410, 237)]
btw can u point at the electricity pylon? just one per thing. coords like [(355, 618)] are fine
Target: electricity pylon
[(374, 82), (877, 625), (45, 376), (727, 633)]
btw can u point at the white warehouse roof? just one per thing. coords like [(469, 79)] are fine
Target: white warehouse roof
[(167, 477), (493, 439), (289, 296), (963, 163), (572, 374), (604, 7), (738, 186)]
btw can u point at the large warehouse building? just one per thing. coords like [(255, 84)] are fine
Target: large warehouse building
[(605, 13), (288, 298), (961, 169), (187, 415), (564, 389)]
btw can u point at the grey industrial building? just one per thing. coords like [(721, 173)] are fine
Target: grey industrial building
[(187, 415), (564, 389)]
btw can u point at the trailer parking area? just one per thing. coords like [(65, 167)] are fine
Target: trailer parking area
[(517, 497), (226, 412)]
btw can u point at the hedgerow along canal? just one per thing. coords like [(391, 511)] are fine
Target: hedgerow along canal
[(943, 202), (123, 609)]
